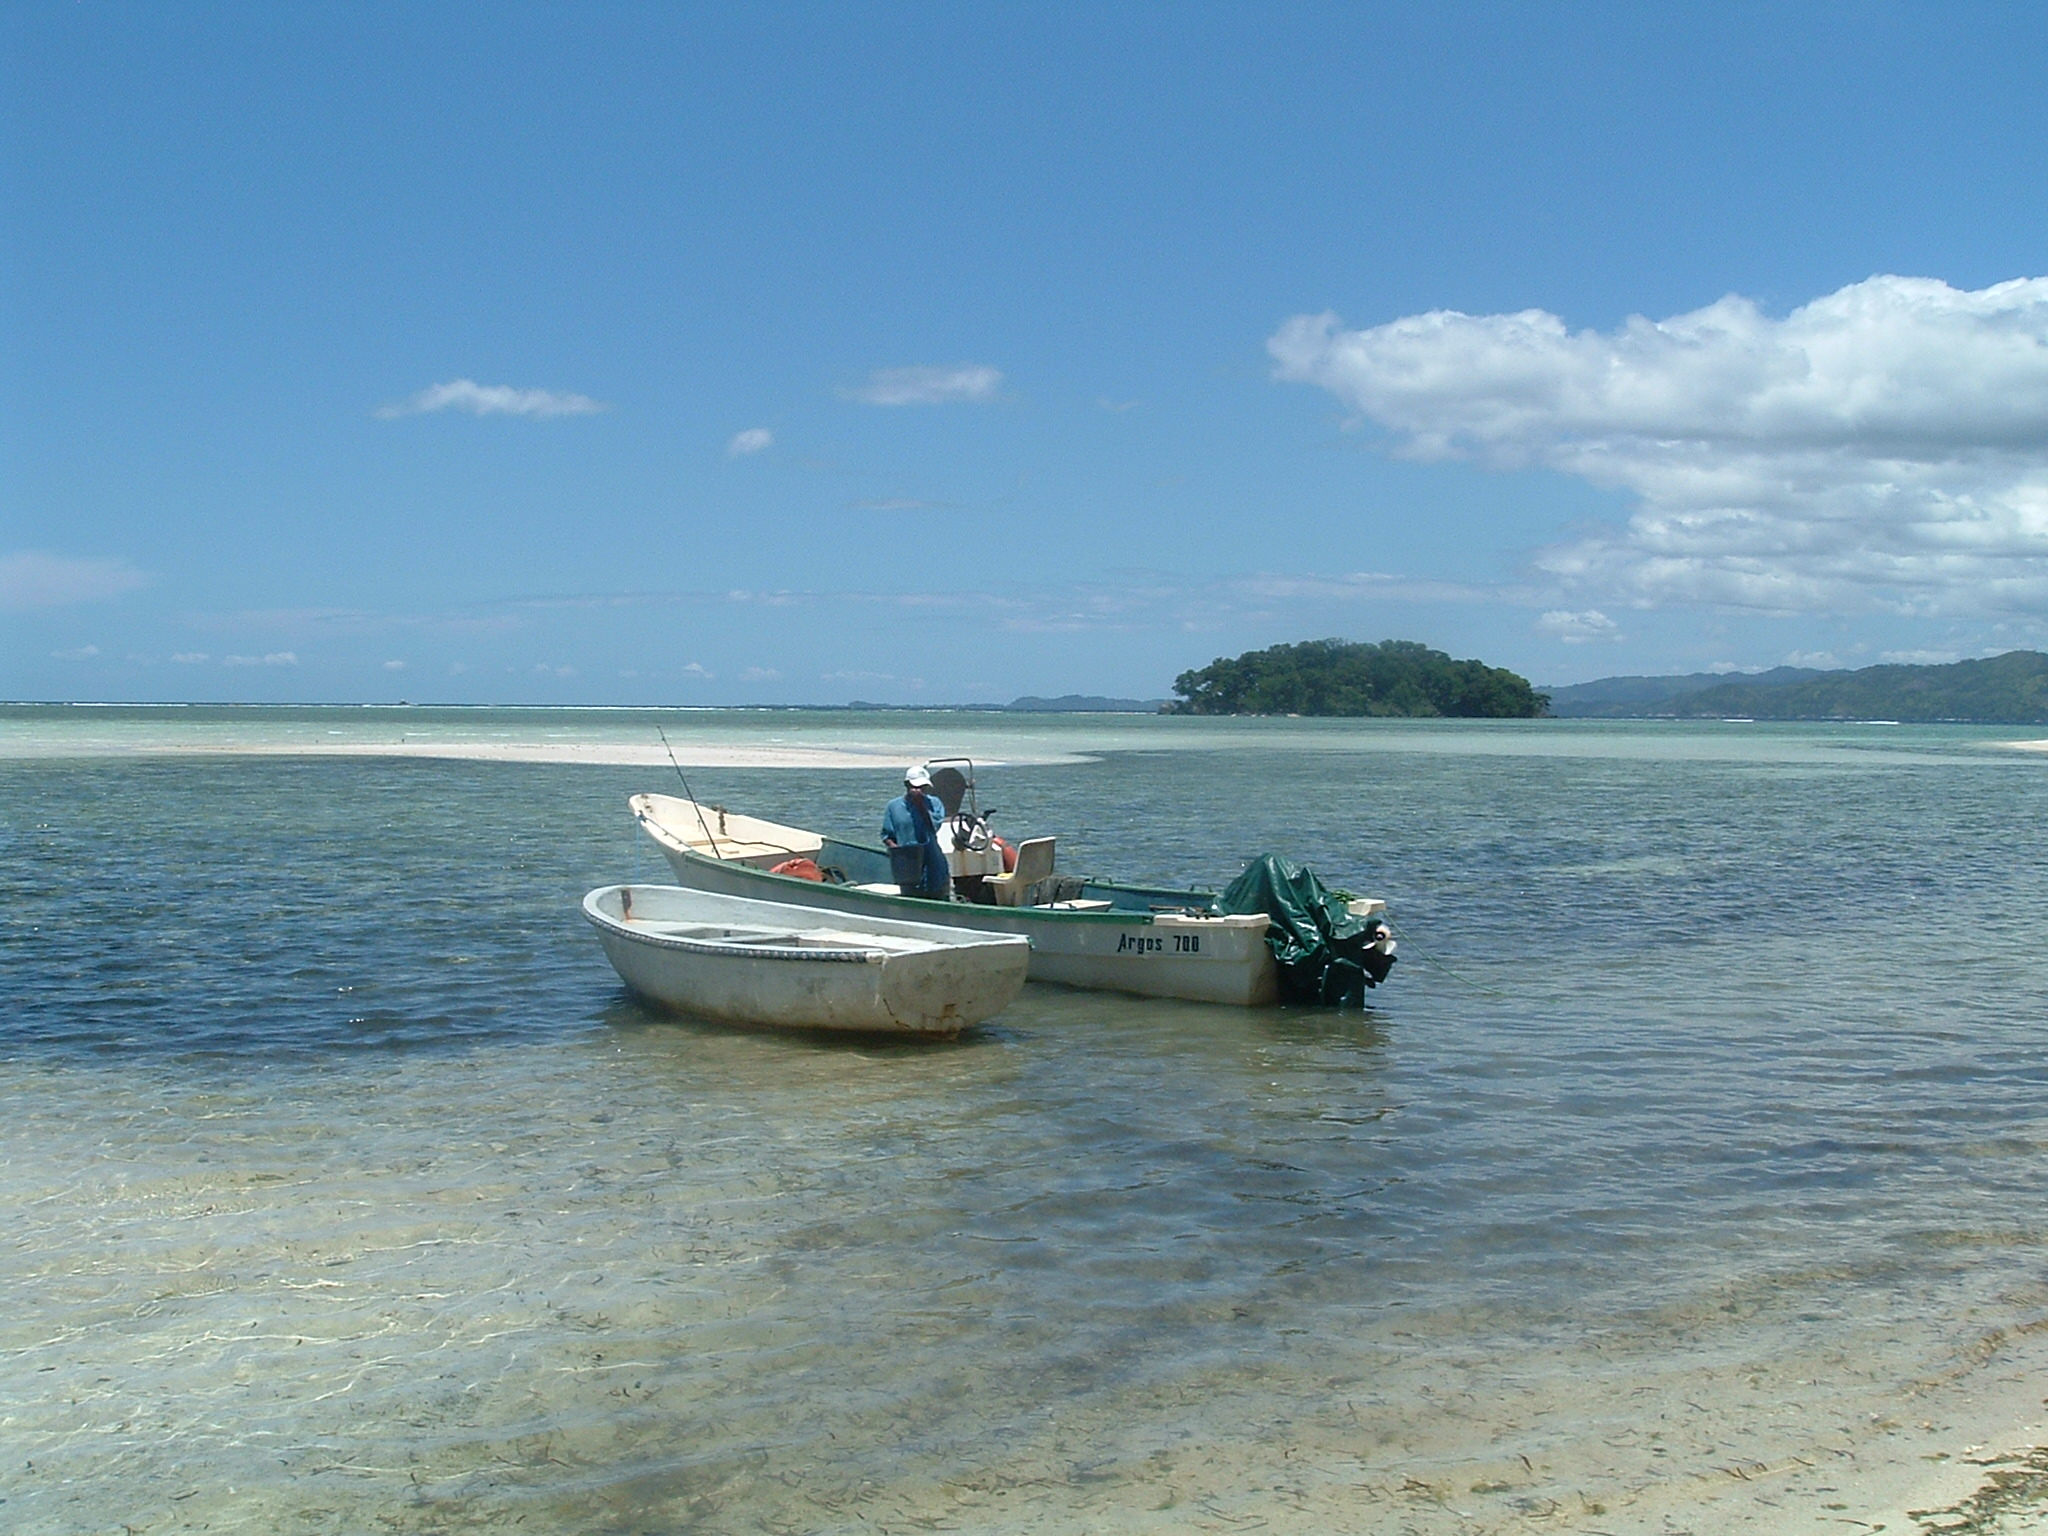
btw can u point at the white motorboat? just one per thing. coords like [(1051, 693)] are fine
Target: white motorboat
[(1086, 933), (745, 961)]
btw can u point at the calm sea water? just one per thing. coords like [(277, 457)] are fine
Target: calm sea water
[(1701, 1135)]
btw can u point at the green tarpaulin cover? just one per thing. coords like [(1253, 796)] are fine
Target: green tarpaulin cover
[(1322, 948)]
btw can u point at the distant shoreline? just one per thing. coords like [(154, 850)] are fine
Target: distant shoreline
[(2008, 689), (1024, 706)]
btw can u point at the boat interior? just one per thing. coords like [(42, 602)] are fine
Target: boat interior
[(781, 938), (1035, 882), (717, 833)]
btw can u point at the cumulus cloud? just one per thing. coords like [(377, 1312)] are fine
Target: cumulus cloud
[(77, 653), (267, 659), (1578, 628), (491, 400), (33, 579), (753, 440), (928, 386), (1885, 446)]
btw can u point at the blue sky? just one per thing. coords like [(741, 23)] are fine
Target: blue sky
[(611, 353)]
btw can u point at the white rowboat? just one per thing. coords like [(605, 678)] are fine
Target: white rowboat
[(745, 961)]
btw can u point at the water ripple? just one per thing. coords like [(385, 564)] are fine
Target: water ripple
[(352, 1190)]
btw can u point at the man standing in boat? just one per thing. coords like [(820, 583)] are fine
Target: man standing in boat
[(910, 831)]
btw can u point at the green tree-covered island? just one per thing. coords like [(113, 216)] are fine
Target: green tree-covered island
[(1353, 679)]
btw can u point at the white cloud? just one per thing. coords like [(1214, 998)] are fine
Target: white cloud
[(753, 440), (394, 666), (899, 504), (191, 658), (491, 400), (1885, 446), (697, 669), (1919, 658), (267, 659), (1120, 600), (1578, 628), (1350, 587), (33, 579), (77, 653), (760, 675), (928, 386)]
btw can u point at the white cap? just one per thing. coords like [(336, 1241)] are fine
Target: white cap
[(918, 777)]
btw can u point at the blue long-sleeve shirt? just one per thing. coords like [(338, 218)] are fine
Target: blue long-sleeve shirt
[(899, 822)]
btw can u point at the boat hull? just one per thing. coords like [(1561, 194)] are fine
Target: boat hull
[(795, 967), (1174, 953)]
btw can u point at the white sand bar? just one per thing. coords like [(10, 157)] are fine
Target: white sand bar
[(696, 740), (602, 753), (691, 754)]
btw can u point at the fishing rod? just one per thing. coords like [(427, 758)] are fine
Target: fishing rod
[(1431, 960), (690, 793)]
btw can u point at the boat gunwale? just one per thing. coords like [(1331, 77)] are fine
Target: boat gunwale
[(1124, 915), (844, 955), (852, 952)]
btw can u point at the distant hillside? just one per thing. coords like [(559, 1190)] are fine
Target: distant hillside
[(2002, 690), (1627, 698), (1351, 679)]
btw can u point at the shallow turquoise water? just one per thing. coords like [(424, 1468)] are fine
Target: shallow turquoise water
[(1703, 1119)]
